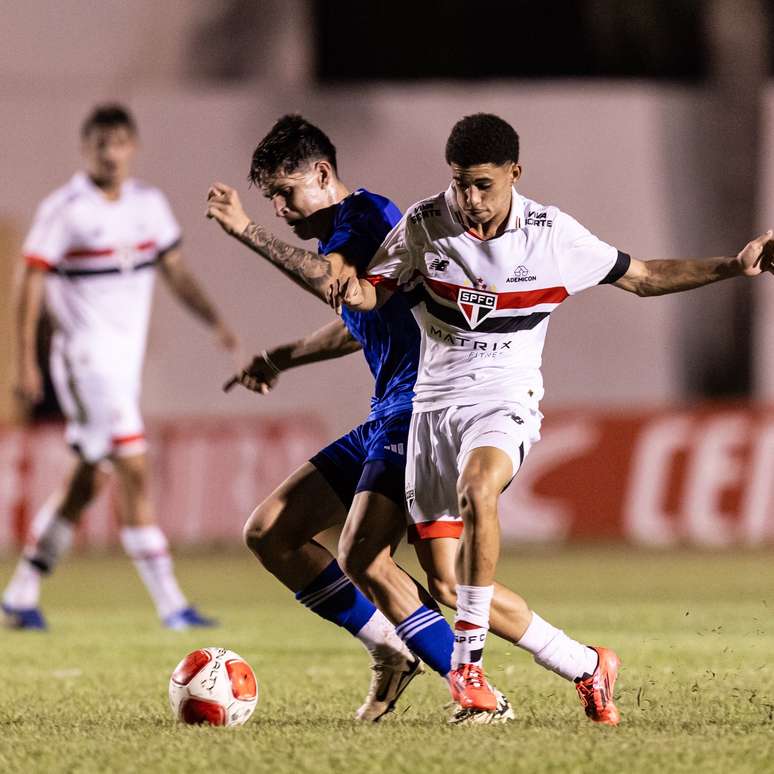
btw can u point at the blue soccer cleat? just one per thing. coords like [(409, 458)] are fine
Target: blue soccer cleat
[(23, 618), (188, 618)]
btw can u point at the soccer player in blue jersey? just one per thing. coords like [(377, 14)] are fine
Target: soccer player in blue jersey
[(358, 480)]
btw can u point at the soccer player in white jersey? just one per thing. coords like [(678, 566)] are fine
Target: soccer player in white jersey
[(92, 252), (485, 267)]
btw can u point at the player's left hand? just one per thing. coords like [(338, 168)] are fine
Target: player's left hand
[(260, 375), (224, 206), (757, 256)]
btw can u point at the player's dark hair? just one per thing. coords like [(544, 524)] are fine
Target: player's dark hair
[(482, 138), (108, 116), (292, 142)]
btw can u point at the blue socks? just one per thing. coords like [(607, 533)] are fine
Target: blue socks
[(333, 596), (428, 635)]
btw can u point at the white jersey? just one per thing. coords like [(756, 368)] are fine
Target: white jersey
[(483, 305), (100, 255)]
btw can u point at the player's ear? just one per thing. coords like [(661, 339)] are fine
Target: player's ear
[(324, 173), (516, 172)]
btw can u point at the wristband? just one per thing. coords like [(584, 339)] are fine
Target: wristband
[(269, 362)]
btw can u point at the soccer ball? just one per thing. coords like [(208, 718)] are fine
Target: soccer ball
[(215, 686)]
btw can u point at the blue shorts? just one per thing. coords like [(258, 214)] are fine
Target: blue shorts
[(370, 458)]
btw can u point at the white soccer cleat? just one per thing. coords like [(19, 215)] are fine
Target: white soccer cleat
[(388, 681), (472, 717)]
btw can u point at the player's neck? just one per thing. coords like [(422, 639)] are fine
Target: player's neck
[(322, 220), (490, 229), (110, 189)]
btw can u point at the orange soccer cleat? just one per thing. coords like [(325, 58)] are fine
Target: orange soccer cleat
[(470, 689), (596, 691)]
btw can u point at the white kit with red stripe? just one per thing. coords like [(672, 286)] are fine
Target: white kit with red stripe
[(483, 305), (100, 256)]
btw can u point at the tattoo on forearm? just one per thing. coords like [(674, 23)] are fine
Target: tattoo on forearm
[(312, 268)]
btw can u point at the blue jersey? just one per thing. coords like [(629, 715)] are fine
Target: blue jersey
[(389, 336)]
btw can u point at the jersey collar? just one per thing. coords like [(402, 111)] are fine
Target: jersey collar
[(83, 182)]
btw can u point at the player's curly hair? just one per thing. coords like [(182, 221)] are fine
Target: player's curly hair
[(292, 141), (108, 116), (482, 138)]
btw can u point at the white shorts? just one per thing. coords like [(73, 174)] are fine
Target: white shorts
[(438, 443), (103, 413)]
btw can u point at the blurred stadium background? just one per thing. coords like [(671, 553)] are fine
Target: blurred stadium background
[(651, 122)]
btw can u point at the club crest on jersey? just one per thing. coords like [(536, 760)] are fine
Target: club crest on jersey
[(475, 305)]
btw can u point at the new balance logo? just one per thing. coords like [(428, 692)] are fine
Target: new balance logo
[(521, 274), (396, 448), (438, 264)]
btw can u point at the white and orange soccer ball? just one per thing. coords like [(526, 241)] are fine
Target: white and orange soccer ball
[(215, 686)]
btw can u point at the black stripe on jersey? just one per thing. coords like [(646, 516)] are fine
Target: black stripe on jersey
[(98, 272), (453, 316), (620, 267)]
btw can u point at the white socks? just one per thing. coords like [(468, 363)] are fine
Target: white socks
[(471, 624), (147, 548), (50, 538), (554, 650), (380, 640)]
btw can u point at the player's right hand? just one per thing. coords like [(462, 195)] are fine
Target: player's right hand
[(757, 256), (260, 376), (29, 385), (345, 292), (224, 206)]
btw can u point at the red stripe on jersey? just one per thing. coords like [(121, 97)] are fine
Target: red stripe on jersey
[(466, 626), (378, 279), (529, 298), (88, 253), (38, 262), (517, 300), (428, 530), (122, 439)]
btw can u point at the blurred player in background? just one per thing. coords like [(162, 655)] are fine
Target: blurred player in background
[(485, 267), (92, 251), (306, 194)]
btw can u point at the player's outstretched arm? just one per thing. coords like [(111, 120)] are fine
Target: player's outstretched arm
[(185, 286), (657, 277), (28, 386), (331, 341), (312, 271)]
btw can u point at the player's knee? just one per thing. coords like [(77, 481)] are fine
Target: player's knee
[(255, 530), (133, 474), (476, 495), (261, 533)]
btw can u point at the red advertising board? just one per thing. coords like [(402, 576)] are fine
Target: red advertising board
[(701, 476)]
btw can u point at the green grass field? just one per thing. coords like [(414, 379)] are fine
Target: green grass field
[(696, 691)]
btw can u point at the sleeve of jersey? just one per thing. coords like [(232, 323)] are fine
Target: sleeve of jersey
[(392, 265), (48, 239), (168, 232), (357, 239), (584, 260)]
